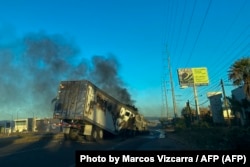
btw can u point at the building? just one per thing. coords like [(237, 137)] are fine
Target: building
[(216, 106), (20, 125), (239, 95), (219, 112), (24, 125), (31, 125), (6, 126)]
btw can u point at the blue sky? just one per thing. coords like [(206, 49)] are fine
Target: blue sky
[(197, 33)]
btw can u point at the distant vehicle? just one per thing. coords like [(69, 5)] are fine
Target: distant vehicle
[(89, 112)]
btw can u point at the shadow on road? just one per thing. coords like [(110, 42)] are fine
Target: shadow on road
[(12, 148), (45, 150)]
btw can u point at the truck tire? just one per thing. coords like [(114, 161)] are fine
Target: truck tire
[(100, 134), (95, 134), (73, 134), (89, 138)]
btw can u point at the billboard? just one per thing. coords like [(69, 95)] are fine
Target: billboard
[(191, 76)]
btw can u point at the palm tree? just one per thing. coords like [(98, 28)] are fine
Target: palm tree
[(239, 73)]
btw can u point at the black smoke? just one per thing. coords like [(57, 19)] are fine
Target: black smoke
[(105, 75), (32, 67)]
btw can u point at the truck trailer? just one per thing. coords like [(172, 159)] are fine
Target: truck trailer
[(88, 112)]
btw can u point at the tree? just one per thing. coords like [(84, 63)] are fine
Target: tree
[(236, 105), (188, 114), (239, 73), (205, 115)]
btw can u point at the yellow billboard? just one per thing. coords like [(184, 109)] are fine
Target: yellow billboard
[(191, 76)]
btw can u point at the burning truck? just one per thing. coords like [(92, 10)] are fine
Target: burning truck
[(89, 112)]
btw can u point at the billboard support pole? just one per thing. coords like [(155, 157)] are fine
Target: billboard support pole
[(196, 102)]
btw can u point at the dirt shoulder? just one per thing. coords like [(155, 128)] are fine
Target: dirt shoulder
[(217, 138)]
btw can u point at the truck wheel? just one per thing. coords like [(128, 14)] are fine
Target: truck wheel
[(89, 138), (100, 133), (95, 134), (73, 134)]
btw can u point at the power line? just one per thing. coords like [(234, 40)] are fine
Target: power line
[(231, 25), (197, 37), (173, 25), (188, 29), (181, 25), (231, 52)]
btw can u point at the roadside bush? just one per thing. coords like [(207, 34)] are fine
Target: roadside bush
[(180, 124), (200, 124), (239, 138)]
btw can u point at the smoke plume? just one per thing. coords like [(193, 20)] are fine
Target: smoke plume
[(31, 69)]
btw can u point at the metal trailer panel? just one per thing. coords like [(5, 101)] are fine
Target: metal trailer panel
[(96, 112), (81, 100), (71, 99)]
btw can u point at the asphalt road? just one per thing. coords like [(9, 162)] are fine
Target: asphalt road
[(61, 153)]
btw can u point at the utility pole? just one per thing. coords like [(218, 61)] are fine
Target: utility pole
[(172, 86), (196, 103), (165, 110), (165, 97), (225, 101), (17, 121)]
